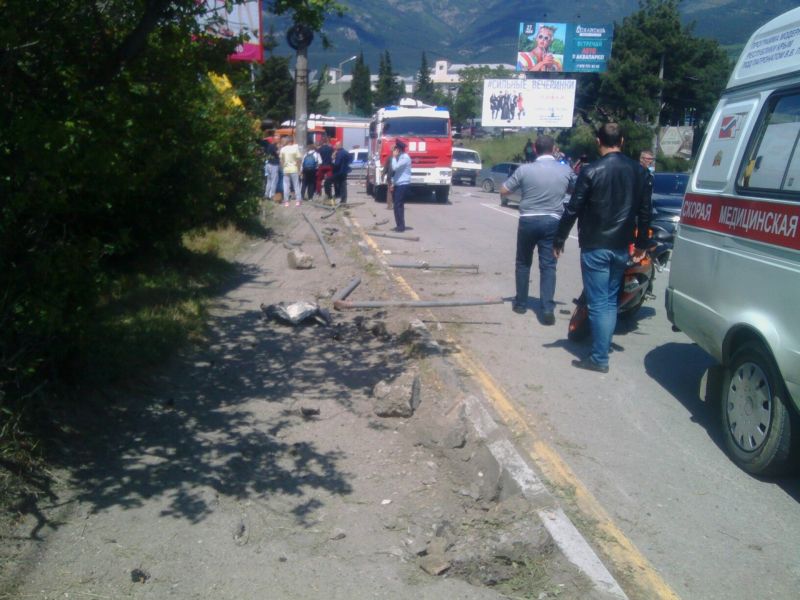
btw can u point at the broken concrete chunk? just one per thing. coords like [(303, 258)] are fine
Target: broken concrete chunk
[(419, 337), (400, 398), (296, 313), (299, 259), (434, 565)]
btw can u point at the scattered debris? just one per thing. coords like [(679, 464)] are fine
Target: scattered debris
[(297, 313), (418, 336), (342, 304), (427, 266), (347, 290), (373, 326), (399, 398), (139, 576), (308, 412), (240, 534), (298, 259), (325, 248), (338, 534), (408, 238)]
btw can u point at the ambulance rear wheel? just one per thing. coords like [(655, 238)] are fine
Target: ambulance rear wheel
[(442, 193)]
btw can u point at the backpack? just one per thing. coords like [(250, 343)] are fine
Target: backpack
[(309, 162)]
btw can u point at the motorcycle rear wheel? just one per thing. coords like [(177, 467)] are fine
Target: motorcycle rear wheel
[(579, 322)]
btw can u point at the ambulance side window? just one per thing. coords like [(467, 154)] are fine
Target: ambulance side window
[(773, 161)]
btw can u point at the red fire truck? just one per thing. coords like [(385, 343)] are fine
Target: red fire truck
[(351, 131), (426, 131)]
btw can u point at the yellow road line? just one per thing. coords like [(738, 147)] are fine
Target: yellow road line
[(627, 559)]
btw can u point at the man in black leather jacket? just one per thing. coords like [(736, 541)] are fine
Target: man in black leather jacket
[(609, 202)]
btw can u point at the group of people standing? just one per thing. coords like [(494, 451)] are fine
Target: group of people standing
[(610, 200), (304, 176), (505, 105)]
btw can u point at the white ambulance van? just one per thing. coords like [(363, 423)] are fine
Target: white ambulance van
[(734, 285)]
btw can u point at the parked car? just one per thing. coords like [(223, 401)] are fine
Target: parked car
[(358, 163), (668, 191), (493, 177), (466, 166)]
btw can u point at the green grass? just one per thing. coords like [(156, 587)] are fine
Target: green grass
[(495, 150), (152, 313)]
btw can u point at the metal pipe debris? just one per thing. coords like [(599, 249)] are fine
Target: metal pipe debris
[(321, 241), (425, 265), (346, 291), (343, 304), (412, 238)]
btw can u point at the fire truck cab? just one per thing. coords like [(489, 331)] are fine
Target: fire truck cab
[(426, 131)]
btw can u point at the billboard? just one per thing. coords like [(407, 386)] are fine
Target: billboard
[(568, 47), (233, 20), (528, 102)]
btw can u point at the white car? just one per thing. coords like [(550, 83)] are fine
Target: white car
[(466, 165)]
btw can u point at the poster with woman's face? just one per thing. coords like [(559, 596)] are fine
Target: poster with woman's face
[(541, 47)]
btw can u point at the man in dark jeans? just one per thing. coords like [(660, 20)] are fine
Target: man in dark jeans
[(341, 167), (610, 203), (543, 185)]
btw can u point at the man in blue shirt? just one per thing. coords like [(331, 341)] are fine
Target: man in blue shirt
[(401, 178)]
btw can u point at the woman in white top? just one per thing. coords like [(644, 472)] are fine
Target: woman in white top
[(290, 163)]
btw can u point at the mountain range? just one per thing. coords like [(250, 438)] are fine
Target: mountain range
[(471, 31)]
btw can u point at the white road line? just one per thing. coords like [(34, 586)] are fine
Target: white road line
[(500, 210)]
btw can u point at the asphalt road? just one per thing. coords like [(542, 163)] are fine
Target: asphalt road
[(642, 439)]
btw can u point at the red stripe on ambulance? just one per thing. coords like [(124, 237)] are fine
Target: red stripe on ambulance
[(762, 221)]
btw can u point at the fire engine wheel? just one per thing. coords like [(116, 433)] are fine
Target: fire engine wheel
[(442, 194), (756, 421), (370, 189), (380, 193)]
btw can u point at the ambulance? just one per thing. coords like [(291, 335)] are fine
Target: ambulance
[(734, 285)]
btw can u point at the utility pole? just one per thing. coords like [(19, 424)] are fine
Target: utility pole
[(300, 37), (658, 104)]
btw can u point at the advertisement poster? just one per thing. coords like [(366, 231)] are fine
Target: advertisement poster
[(676, 141), (528, 102), (563, 47), (233, 20)]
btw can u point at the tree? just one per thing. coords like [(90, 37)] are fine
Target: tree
[(359, 96), (659, 70), (467, 103), (389, 90), (115, 144), (425, 90), (273, 90)]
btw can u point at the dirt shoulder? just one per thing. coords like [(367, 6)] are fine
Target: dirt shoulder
[(256, 466)]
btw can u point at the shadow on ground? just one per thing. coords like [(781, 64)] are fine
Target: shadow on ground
[(219, 421)]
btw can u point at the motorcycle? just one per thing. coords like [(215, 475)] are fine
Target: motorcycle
[(637, 286)]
